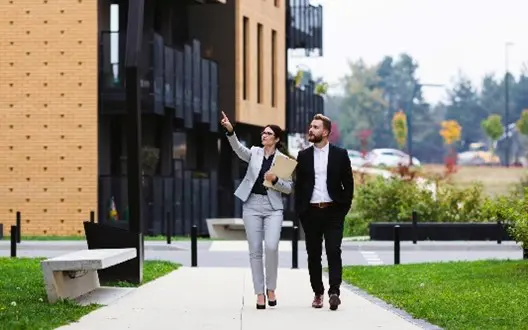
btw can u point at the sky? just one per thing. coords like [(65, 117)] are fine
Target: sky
[(445, 37)]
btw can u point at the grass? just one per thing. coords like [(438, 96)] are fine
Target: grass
[(23, 301), (496, 180), (82, 238), (454, 295)]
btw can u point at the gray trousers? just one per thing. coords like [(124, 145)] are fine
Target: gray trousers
[(262, 223)]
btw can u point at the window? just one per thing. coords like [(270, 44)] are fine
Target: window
[(273, 68), (259, 62), (245, 57)]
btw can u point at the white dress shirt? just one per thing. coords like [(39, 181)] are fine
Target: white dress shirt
[(320, 191)]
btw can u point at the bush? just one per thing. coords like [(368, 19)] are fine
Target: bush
[(393, 200), (512, 210)]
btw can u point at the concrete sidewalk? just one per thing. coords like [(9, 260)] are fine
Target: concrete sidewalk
[(223, 299)]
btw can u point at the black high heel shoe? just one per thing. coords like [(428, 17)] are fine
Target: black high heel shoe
[(271, 302), (262, 306)]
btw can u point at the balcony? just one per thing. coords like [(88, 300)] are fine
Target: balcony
[(164, 200), (305, 28), (302, 105), (170, 77)]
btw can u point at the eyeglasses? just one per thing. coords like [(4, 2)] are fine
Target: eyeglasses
[(266, 133)]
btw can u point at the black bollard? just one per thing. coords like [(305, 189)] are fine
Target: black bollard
[(14, 233), (18, 225), (415, 226), (396, 245), (295, 247), (194, 246), (92, 217), (499, 232), (169, 228)]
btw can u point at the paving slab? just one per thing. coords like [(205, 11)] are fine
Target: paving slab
[(223, 299)]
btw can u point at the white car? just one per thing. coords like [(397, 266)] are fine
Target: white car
[(356, 159), (389, 158)]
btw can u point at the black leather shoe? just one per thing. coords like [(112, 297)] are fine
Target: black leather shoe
[(334, 302)]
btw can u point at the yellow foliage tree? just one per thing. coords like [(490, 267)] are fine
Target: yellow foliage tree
[(399, 128), (451, 131)]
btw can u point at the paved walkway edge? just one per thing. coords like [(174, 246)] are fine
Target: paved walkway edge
[(400, 312)]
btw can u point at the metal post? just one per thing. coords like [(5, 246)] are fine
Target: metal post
[(295, 247), (92, 216), (499, 232), (397, 245), (415, 226), (507, 115), (507, 101), (19, 226), (409, 123), (194, 246), (14, 233), (169, 228)]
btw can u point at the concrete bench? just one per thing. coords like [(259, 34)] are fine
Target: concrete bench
[(233, 228), (75, 274)]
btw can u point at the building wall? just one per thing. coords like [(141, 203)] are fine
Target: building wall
[(271, 15), (48, 114), (220, 29)]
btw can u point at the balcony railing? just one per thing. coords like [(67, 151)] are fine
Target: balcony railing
[(305, 30), (177, 78), (185, 199), (303, 104)]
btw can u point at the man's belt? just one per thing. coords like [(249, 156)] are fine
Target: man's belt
[(322, 205)]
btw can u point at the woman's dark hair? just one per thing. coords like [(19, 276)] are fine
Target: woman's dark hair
[(279, 133)]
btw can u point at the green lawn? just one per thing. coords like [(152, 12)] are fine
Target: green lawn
[(23, 301), (454, 295)]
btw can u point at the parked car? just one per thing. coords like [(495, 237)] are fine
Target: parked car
[(389, 158), (478, 154), (356, 159)]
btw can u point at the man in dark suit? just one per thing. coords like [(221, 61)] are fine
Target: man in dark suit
[(324, 188)]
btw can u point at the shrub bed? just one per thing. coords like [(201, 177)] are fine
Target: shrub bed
[(393, 200)]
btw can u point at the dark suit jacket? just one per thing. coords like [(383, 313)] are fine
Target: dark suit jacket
[(339, 181)]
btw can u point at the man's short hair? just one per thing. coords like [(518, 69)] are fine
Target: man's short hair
[(327, 123)]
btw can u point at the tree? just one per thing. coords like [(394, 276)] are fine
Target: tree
[(522, 123), (451, 131), (493, 128), (363, 105), (399, 128), (464, 107), (335, 136)]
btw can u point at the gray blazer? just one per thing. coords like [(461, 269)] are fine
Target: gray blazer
[(254, 157)]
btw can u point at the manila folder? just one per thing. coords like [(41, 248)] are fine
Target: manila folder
[(283, 167)]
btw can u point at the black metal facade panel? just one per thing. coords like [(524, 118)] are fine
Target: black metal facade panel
[(303, 104), (179, 83), (169, 77), (188, 86), (215, 117), (305, 28), (158, 49), (206, 91), (196, 73)]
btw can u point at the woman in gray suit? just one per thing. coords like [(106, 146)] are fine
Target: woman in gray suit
[(262, 210)]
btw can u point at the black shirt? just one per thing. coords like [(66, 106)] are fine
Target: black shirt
[(258, 187)]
